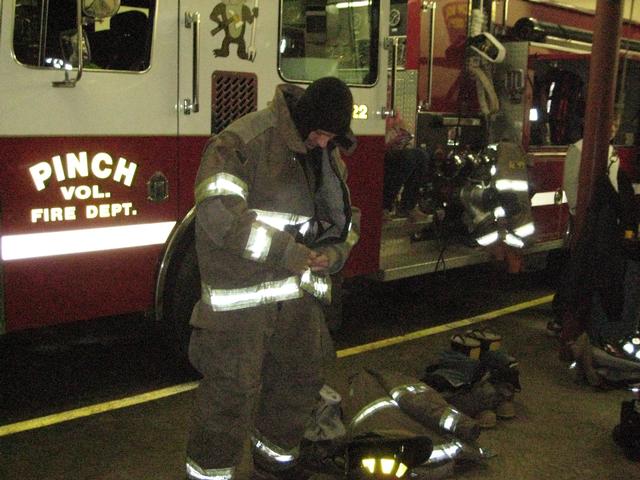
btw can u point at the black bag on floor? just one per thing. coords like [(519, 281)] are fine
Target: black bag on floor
[(627, 433)]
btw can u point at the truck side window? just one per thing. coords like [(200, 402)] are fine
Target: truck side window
[(45, 36), (329, 37), (559, 100), (559, 95)]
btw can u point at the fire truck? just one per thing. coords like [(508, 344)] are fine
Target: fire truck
[(107, 104)]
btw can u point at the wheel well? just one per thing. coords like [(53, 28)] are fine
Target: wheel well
[(183, 234), (178, 282)]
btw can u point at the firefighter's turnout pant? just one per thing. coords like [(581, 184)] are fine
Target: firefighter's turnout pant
[(261, 371)]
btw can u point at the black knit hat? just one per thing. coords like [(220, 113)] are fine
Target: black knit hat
[(325, 105)]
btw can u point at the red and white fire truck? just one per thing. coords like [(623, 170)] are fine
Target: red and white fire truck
[(106, 106)]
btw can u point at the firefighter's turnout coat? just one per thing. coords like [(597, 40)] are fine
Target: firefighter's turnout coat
[(259, 339)]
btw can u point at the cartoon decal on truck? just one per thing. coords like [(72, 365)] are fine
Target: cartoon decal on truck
[(232, 17)]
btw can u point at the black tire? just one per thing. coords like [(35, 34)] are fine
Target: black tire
[(182, 291)]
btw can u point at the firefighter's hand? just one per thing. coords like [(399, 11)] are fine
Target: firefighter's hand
[(297, 258), (319, 262)]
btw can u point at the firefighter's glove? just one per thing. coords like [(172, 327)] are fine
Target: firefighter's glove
[(296, 258)]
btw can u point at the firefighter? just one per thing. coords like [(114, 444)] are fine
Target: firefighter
[(597, 298), (622, 195), (273, 222)]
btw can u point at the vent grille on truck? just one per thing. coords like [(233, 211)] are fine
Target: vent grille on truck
[(233, 94)]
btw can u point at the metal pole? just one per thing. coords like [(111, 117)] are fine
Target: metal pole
[(603, 70)]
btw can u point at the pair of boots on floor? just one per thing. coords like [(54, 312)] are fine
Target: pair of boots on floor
[(477, 376)]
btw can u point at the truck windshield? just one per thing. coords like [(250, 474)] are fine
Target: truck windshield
[(45, 36), (331, 37)]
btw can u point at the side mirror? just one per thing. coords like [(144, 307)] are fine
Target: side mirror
[(99, 9)]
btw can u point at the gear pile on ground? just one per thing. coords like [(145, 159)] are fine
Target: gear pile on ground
[(607, 363), (390, 408), (477, 376)]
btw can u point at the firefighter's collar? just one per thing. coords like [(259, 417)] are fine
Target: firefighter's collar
[(284, 123)]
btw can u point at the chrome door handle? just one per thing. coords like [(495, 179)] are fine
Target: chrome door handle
[(68, 82), (391, 44), (431, 6), (192, 105)]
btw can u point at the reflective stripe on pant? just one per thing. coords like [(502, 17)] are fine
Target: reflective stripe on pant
[(265, 360), (196, 472)]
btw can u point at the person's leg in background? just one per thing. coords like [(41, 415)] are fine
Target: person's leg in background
[(398, 167), (416, 179)]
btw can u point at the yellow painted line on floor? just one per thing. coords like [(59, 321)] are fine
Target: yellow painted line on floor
[(185, 387), (387, 342), (94, 409)]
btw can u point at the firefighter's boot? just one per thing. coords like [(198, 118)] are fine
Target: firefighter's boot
[(582, 352)]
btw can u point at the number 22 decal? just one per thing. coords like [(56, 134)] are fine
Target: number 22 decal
[(360, 112)]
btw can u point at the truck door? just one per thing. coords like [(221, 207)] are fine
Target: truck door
[(88, 185), (233, 54)]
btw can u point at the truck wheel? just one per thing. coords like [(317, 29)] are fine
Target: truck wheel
[(181, 293)]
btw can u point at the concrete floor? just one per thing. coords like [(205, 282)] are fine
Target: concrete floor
[(562, 430)]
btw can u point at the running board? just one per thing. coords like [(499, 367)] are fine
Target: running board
[(402, 258)]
